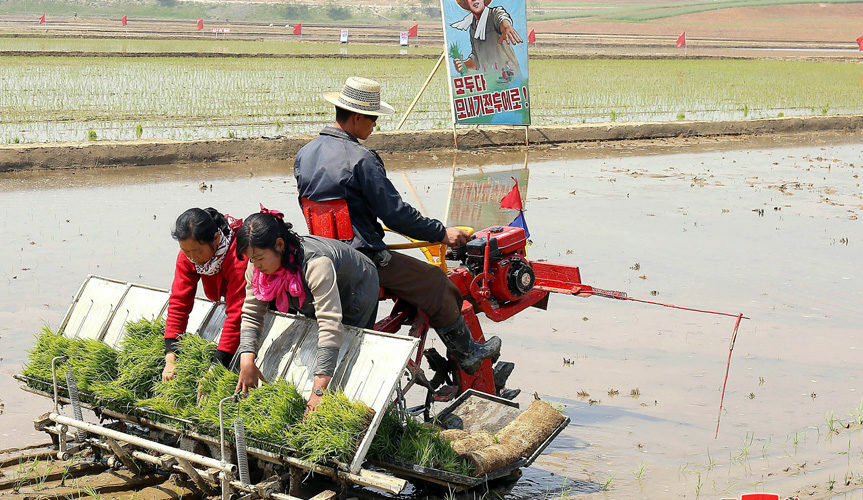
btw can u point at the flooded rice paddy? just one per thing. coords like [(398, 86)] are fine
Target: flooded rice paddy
[(766, 228), (50, 99)]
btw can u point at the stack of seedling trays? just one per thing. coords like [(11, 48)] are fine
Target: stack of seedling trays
[(112, 335), (490, 435)]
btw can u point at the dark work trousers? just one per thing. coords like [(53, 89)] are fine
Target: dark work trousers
[(424, 286)]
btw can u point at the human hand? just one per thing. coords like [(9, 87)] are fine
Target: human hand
[(321, 382), (170, 366), (459, 65), (312, 404), (249, 373), (455, 237), (508, 34)]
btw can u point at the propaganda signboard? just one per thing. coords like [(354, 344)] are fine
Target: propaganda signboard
[(487, 61)]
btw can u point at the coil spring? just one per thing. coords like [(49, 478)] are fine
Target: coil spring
[(72, 387), (242, 457)]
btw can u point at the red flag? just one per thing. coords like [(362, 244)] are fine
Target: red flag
[(298, 29), (42, 19), (860, 42), (123, 20), (512, 199), (200, 24), (412, 31), (531, 37), (681, 40)]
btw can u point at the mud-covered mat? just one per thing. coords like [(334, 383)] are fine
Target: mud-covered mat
[(492, 434)]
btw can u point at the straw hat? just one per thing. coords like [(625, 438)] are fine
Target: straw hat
[(360, 95), (463, 3)]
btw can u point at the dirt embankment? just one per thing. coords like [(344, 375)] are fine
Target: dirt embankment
[(161, 152)]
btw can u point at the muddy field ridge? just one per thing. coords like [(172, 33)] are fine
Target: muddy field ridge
[(64, 155)]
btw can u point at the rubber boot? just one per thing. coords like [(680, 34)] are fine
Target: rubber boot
[(469, 353)]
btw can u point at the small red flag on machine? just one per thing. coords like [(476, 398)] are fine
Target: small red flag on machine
[(42, 19), (412, 31), (513, 198), (531, 37), (860, 42), (124, 20), (298, 29), (200, 24), (681, 40)]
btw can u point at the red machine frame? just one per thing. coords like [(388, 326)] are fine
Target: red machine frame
[(331, 219)]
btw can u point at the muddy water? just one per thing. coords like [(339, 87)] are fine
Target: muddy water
[(768, 230)]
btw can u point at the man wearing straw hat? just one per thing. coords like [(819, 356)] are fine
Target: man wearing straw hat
[(336, 166)]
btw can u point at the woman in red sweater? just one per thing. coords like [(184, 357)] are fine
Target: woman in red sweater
[(207, 253)]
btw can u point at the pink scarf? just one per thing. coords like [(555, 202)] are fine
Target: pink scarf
[(278, 286)]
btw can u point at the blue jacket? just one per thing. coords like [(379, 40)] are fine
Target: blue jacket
[(336, 166)]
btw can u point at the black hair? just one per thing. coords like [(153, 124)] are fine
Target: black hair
[(200, 224), (343, 115), (262, 230)]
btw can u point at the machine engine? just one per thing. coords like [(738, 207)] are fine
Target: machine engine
[(499, 252)]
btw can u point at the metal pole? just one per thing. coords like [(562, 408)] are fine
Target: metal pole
[(144, 443), (54, 377), (222, 426), (727, 367), (420, 93)]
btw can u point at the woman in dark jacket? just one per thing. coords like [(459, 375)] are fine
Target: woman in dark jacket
[(207, 254), (318, 277)]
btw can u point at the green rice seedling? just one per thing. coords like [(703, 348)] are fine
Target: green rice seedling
[(93, 362), (385, 442), (179, 395), (415, 443), (91, 135), (743, 453), (139, 131), (607, 485), (216, 384), (139, 363), (272, 408), (332, 431), (681, 115), (455, 53), (642, 470), (832, 420), (49, 344), (857, 414)]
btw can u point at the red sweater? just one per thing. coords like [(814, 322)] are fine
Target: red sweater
[(229, 283)]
